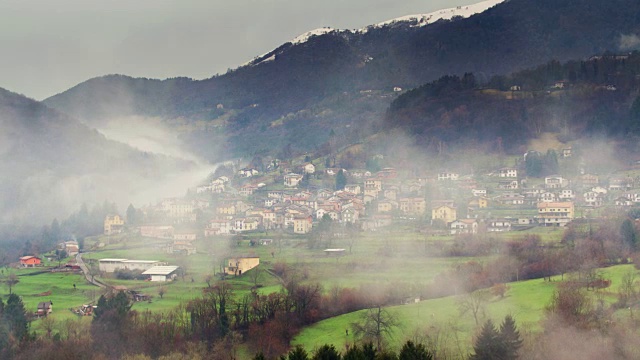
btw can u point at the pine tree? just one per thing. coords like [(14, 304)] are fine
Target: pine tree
[(326, 352), (15, 316), (298, 353), (131, 215), (510, 338), (411, 351), (354, 353), (488, 345), (341, 180), (628, 233)]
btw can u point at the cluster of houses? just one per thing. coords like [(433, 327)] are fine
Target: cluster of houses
[(245, 203)]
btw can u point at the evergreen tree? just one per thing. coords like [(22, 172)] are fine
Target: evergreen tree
[(298, 353), (341, 180), (56, 233), (326, 352), (131, 215), (411, 351), (259, 356), (488, 345), (355, 353), (533, 164), (369, 351), (510, 338), (628, 233), (634, 117), (15, 317), (551, 162)]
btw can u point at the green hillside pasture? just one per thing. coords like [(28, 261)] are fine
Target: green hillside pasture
[(525, 301), (35, 285), (547, 233)]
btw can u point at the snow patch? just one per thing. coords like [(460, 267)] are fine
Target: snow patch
[(306, 36), (420, 20), (270, 58)]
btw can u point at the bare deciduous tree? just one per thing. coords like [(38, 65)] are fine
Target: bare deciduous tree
[(11, 280), (254, 275), (474, 303), (161, 291), (375, 324)]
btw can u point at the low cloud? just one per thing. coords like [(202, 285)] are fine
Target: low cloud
[(629, 42)]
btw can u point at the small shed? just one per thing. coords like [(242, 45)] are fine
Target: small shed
[(44, 308), (162, 273), (334, 252)]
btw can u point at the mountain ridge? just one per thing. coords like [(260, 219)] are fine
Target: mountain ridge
[(295, 78)]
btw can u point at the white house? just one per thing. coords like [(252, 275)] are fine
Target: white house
[(448, 176), (292, 179), (566, 194), (162, 273), (498, 225), (548, 197), (479, 192), (464, 226), (555, 182), (508, 173)]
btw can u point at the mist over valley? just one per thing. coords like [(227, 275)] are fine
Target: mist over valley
[(463, 184)]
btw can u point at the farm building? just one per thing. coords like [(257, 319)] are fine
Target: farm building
[(334, 252), (30, 261), (110, 265), (44, 308), (71, 247), (162, 273), (239, 265)]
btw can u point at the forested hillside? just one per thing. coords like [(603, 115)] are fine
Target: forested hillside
[(575, 99)]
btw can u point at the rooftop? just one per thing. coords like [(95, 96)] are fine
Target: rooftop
[(161, 270)]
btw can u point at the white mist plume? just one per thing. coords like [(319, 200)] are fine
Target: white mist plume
[(149, 134), (628, 42)]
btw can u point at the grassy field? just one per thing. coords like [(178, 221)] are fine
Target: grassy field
[(389, 257), (36, 286), (525, 301), (397, 258)]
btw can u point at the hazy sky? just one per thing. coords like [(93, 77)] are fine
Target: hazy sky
[(49, 46)]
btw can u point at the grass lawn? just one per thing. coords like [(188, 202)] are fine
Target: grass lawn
[(37, 286), (525, 301)]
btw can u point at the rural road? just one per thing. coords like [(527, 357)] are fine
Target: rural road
[(85, 271)]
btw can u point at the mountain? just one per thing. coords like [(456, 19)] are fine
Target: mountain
[(50, 164), (297, 93)]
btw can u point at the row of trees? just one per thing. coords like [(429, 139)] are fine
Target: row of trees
[(409, 351)]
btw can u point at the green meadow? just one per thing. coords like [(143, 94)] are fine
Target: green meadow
[(525, 301), (397, 258)]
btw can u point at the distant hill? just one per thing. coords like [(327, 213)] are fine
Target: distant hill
[(50, 164), (596, 97), (310, 82)]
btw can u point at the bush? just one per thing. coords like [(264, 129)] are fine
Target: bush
[(126, 274)]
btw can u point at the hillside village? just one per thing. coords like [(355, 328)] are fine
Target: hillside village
[(296, 197)]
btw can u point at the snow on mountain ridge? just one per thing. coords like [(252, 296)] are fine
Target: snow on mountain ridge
[(464, 11), (306, 36), (417, 20)]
